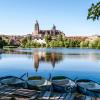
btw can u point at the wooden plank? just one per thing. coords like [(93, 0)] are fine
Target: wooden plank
[(24, 93), (7, 91), (97, 98), (26, 90), (55, 96), (52, 96), (3, 86), (72, 96), (62, 96), (93, 98), (68, 96), (46, 95), (88, 98), (41, 94), (5, 98), (34, 96), (79, 96)]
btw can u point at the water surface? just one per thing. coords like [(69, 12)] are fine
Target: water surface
[(80, 63)]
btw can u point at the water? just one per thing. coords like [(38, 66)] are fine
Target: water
[(73, 63)]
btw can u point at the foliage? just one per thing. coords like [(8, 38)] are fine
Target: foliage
[(94, 11), (2, 42), (84, 44), (95, 44), (47, 38), (51, 42)]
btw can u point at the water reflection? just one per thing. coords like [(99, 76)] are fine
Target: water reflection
[(90, 56), (69, 62), (46, 57), (0, 56)]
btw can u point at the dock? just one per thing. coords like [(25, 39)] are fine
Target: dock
[(13, 93)]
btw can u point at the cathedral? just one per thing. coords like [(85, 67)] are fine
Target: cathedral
[(41, 33)]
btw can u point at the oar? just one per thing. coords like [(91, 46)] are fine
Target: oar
[(76, 78), (26, 84), (50, 79), (27, 75), (22, 75)]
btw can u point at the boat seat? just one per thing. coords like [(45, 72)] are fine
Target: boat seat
[(60, 82), (36, 82)]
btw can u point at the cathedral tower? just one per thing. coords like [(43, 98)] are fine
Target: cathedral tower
[(36, 28), (54, 29)]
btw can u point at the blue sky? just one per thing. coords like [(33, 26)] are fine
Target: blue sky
[(18, 16)]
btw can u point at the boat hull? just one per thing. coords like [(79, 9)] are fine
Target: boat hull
[(63, 89), (39, 88), (12, 81), (88, 87), (39, 84), (88, 92), (63, 84)]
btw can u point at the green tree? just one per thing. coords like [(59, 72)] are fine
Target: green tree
[(47, 38), (84, 44), (1, 42), (95, 44), (66, 43), (61, 44), (60, 37), (94, 11), (23, 42)]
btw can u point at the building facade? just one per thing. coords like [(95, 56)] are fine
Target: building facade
[(41, 33)]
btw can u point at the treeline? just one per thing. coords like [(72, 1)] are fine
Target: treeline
[(60, 41), (6, 41), (28, 42), (2, 42), (94, 44), (51, 42)]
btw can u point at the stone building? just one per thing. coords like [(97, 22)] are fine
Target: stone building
[(41, 33)]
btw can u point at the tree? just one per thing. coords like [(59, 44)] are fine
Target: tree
[(60, 38), (94, 11), (84, 44), (1, 42), (23, 42), (47, 38), (11, 42)]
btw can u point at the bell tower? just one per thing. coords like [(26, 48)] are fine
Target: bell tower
[(36, 28), (54, 29)]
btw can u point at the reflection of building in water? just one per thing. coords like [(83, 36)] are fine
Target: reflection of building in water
[(36, 61), (46, 57), (0, 56)]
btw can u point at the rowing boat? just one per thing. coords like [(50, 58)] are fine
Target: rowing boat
[(12, 81), (63, 84), (88, 87), (38, 83)]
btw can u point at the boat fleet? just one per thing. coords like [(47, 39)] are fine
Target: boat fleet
[(54, 83)]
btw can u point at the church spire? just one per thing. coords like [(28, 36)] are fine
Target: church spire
[(54, 27), (36, 28)]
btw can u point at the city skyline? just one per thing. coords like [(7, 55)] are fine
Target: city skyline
[(18, 17)]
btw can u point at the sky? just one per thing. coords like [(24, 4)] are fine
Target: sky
[(17, 17)]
